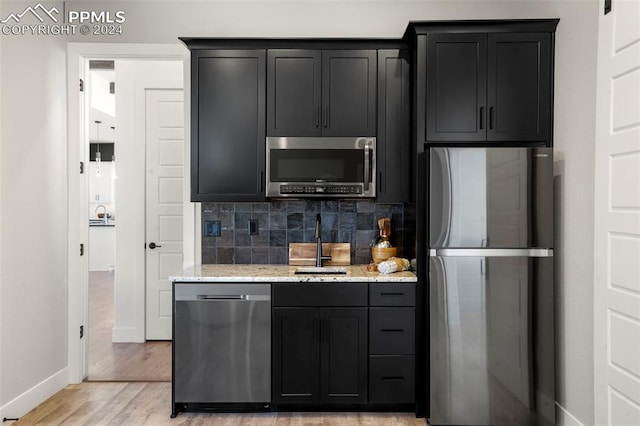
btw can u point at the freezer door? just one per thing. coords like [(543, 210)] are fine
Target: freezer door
[(491, 341), (490, 197)]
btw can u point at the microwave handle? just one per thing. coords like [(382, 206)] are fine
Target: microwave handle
[(367, 166)]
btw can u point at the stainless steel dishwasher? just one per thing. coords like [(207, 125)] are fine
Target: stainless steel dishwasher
[(221, 346)]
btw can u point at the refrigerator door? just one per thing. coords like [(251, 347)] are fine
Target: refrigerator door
[(491, 336), (490, 197)]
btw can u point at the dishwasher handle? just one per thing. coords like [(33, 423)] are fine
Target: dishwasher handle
[(222, 297), (240, 297)]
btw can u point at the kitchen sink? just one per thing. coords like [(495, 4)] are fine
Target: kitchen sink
[(337, 270)]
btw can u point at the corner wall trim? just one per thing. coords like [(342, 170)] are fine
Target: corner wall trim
[(565, 418), (31, 398)]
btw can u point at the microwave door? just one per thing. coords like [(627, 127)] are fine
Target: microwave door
[(332, 167)]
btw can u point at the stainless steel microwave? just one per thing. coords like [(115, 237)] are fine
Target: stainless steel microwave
[(321, 167)]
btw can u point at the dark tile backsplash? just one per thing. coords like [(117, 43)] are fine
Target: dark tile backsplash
[(284, 222)]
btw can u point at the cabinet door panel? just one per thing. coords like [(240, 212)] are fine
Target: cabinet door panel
[(344, 354), (392, 379), (394, 138), (296, 353), (518, 87), (349, 92), (456, 87), (293, 92), (392, 331), (228, 106)]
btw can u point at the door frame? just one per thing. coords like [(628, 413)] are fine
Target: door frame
[(78, 55)]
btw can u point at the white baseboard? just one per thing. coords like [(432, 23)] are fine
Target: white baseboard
[(31, 398), (565, 418), (126, 335)]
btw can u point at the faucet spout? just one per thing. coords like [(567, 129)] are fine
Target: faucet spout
[(318, 241), (318, 236)]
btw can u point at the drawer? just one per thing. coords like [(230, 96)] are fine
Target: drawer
[(392, 294), (392, 379), (320, 294), (392, 331)]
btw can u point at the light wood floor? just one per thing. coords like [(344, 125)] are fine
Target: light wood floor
[(150, 404), (150, 361)]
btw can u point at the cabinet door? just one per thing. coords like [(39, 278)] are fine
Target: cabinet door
[(456, 87), (343, 368), (296, 355), (293, 92), (349, 92), (394, 140), (518, 92), (228, 125)]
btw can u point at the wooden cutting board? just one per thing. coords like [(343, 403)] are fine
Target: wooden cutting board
[(304, 254)]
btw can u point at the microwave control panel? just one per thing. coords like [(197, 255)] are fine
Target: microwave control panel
[(320, 189)]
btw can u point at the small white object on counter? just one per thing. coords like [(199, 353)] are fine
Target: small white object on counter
[(392, 265)]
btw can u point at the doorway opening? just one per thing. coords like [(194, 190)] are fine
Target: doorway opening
[(123, 342)]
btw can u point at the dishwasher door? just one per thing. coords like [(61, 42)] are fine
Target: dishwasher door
[(222, 343)]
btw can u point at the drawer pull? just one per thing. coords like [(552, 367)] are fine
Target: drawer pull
[(390, 378), (391, 294), (392, 330)]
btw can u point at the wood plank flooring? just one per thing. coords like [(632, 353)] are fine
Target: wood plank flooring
[(103, 403), (150, 361)]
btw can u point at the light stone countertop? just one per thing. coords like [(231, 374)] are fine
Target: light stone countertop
[(282, 273)]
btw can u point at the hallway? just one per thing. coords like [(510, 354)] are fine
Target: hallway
[(130, 362)]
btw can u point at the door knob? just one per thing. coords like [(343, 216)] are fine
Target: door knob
[(153, 245)]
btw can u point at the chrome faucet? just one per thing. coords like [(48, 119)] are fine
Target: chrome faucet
[(104, 218), (319, 256)]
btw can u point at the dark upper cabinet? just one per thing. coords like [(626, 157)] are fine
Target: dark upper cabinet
[(519, 86), (488, 87), (294, 92), (321, 93), (394, 133), (456, 87), (228, 125)]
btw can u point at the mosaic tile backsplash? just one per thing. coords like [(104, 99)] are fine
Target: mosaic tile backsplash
[(284, 222)]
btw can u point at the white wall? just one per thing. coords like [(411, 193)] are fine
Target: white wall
[(129, 286), (33, 220), (163, 22)]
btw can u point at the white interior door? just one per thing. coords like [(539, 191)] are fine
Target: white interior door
[(617, 218), (164, 201)]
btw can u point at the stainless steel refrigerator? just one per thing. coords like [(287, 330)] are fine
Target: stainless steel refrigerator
[(490, 279)]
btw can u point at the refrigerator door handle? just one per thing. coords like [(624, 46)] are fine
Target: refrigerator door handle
[(464, 252)]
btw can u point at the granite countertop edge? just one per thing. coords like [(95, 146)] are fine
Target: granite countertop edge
[(282, 273)]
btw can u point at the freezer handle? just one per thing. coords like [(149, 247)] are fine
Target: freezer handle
[(483, 252)]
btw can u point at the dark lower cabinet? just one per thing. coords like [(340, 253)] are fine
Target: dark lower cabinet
[(296, 355), (392, 339), (319, 355), (391, 379), (228, 125)]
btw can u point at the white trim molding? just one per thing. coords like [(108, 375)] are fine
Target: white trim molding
[(23, 403), (77, 56)]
